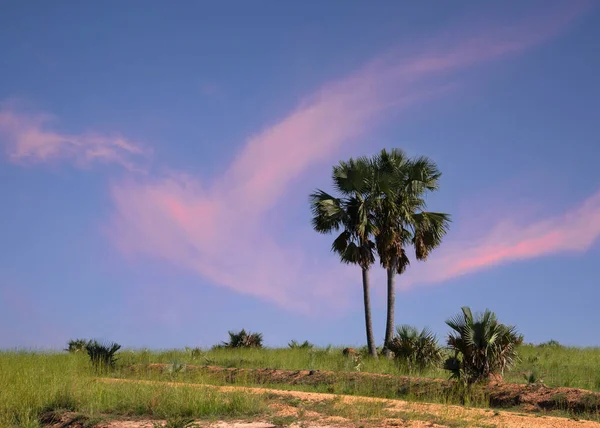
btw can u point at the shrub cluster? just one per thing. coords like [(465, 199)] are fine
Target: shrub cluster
[(479, 347), (417, 349), (243, 339), (102, 355)]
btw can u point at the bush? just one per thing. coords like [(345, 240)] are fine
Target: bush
[(482, 346), (244, 339), (102, 355), (417, 349), (304, 345), (76, 345)]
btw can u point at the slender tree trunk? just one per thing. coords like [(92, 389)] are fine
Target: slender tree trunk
[(368, 321), (391, 303)]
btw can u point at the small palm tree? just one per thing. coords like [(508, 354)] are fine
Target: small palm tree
[(482, 346), (102, 355), (243, 339), (352, 215), (417, 349), (401, 219)]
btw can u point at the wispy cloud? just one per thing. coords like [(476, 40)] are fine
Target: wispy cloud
[(574, 231), (30, 139), (220, 231)]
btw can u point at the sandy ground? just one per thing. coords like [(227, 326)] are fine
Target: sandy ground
[(468, 416)]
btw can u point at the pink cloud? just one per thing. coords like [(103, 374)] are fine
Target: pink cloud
[(574, 231), (29, 140), (220, 231)]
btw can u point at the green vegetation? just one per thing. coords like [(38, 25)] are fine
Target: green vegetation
[(243, 339), (380, 209), (102, 355), (297, 345), (417, 349), (482, 346), (562, 366), (401, 219), (77, 345), (33, 385), (352, 214)]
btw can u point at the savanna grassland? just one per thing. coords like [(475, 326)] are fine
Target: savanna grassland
[(176, 385)]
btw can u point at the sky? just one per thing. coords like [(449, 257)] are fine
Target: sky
[(156, 161)]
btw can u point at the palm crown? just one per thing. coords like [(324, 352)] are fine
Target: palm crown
[(352, 212), (401, 217)]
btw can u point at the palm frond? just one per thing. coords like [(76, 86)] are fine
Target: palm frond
[(353, 176), (423, 175), (328, 212), (429, 229)]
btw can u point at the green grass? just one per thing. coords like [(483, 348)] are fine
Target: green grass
[(556, 366), (560, 366), (34, 383)]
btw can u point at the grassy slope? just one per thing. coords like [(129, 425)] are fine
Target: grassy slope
[(557, 366), (33, 382)]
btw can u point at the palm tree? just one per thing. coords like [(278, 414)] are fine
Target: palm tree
[(401, 221), (351, 214), (482, 346)]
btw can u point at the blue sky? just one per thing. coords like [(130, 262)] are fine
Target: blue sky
[(156, 163)]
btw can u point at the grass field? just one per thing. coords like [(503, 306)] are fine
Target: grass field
[(555, 365), (32, 383)]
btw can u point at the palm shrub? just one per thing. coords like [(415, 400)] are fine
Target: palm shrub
[(482, 346), (297, 345), (243, 339), (76, 345), (102, 355), (417, 349)]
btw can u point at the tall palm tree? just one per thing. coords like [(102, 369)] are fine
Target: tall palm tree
[(352, 214), (401, 220)]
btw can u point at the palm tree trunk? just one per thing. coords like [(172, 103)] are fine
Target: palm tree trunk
[(368, 321), (391, 303)]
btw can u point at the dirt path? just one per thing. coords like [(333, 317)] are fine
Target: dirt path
[(401, 413)]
